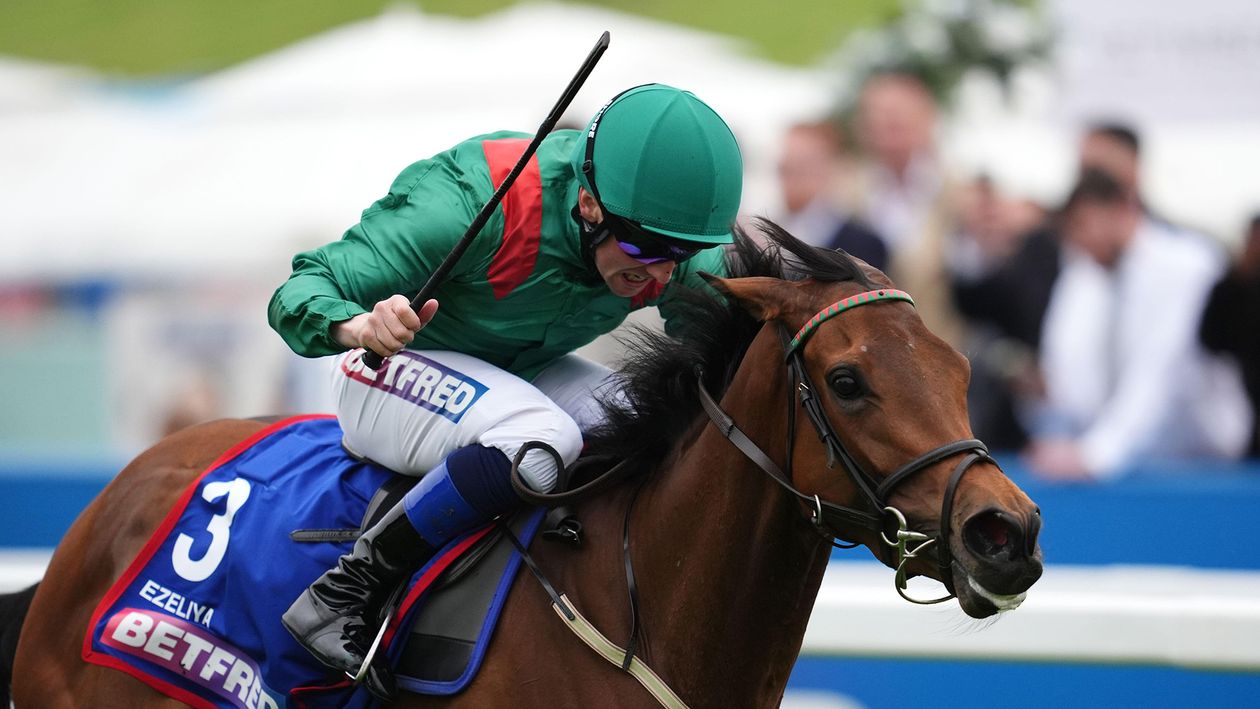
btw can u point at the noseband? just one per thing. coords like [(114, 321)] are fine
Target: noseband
[(878, 516)]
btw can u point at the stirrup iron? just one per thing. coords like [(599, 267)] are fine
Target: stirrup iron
[(370, 655)]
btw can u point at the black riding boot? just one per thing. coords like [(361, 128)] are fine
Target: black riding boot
[(336, 619)]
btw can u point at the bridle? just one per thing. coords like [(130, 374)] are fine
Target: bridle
[(829, 518)]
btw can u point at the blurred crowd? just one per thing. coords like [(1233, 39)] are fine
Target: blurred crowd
[(1101, 335)]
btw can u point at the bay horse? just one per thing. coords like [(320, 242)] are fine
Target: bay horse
[(729, 527)]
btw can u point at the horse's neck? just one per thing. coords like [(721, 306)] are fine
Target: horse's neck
[(728, 568)]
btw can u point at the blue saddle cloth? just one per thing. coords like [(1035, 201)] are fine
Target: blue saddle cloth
[(197, 613)]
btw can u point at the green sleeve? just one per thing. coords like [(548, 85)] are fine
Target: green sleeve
[(711, 261), (399, 241)]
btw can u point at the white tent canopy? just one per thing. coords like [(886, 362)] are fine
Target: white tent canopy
[(239, 169), (233, 172)]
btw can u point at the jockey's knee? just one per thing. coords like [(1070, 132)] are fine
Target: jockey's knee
[(544, 424)]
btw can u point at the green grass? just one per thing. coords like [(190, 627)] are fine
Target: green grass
[(156, 37)]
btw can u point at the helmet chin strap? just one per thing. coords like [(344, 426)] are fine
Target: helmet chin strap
[(590, 235)]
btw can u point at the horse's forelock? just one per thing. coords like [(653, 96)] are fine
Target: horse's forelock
[(802, 261)]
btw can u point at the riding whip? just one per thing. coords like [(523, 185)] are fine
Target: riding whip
[(374, 360)]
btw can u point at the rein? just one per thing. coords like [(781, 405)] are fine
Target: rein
[(828, 518)]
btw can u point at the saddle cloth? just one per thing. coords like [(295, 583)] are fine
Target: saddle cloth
[(197, 614)]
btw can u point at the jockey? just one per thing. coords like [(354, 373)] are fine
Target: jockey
[(600, 222)]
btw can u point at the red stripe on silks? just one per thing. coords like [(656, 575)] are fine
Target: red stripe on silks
[(522, 214)]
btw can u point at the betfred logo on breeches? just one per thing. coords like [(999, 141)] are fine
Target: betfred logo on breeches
[(421, 381)]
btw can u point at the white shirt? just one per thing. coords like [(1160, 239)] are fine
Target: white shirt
[(1125, 374)]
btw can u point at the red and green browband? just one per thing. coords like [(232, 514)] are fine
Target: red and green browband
[(870, 296)]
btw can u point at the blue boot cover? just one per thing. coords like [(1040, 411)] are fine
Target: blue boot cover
[(469, 488)]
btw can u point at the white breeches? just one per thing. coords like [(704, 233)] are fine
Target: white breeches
[(423, 405)]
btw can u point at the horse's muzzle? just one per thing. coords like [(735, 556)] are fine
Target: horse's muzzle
[(1002, 560)]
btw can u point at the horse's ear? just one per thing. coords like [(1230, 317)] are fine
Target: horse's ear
[(874, 275), (765, 298)]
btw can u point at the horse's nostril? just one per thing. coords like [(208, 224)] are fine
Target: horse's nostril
[(991, 534), (1030, 537)]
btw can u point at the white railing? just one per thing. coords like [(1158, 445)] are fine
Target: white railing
[(1146, 615), (1150, 615)]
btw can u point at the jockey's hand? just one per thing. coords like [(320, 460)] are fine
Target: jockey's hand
[(387, 328)]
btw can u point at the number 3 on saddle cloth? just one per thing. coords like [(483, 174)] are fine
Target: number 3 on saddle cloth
[(197, 614)]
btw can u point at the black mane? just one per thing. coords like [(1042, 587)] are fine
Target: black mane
[(658, 374)]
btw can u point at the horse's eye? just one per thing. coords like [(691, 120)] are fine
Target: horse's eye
[(845, 384)]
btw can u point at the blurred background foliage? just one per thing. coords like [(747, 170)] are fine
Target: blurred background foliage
[(940, 42)]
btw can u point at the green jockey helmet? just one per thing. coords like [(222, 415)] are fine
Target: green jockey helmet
[(661, 158)]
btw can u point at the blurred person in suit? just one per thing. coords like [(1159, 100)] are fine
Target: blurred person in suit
[(1125, 378), (1003, 288), (810, 174), (1002, 268), (1115, 147), (901, 188), (993, 233), (1231, 320), (1008, 283)]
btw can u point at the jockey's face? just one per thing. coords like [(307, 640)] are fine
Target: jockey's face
[(625, 276)]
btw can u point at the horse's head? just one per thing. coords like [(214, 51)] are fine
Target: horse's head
[(902, 474)]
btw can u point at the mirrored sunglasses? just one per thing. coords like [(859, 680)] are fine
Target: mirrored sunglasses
[(647, 248)]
